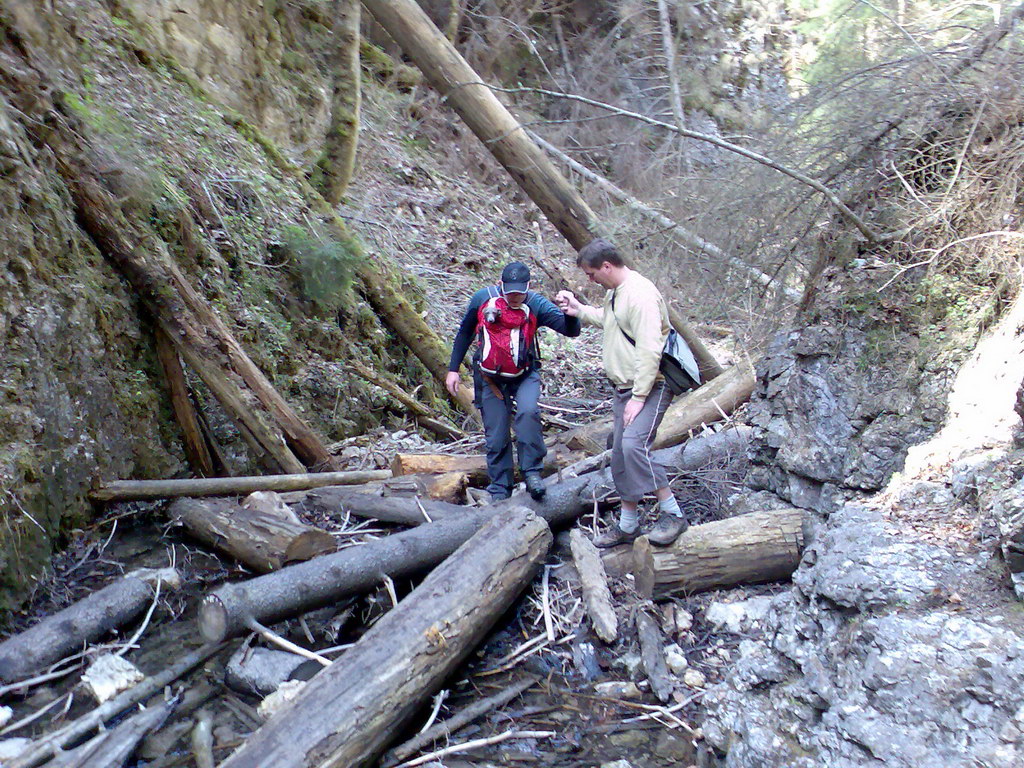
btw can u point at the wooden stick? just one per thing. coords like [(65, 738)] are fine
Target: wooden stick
[(653, 656), (138, 490), (46, 747), (196, 450), (457, 721), (468, 745), (423, 414), (594, 582), (202, 740)]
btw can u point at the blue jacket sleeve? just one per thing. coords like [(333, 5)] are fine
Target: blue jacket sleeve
[(550, 316), (467, 330)]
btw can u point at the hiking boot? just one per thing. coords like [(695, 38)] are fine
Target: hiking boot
[(667, 529), (535, 486), (615, 536)]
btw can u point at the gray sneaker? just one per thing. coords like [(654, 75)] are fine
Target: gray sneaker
[(615, 536), (667, 529)]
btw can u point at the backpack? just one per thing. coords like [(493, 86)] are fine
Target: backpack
[(677, 365), (506, 337)]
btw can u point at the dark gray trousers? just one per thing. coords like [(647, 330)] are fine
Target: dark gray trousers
[(634, 471), (497, 417)]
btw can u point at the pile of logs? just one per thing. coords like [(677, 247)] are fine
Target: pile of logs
[(474, 562)]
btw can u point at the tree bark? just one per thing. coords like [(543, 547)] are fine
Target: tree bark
[(445, 486), (138, 490), (746, 549), (707, 404), (416, 408), (196, 450), (347, 714), (334, 168), (594, 584), (52, 743), (474, 465), (500, 132), (653, 656), (339, 501), (67, 631), (113, 748), (261, 532), (231, 608)]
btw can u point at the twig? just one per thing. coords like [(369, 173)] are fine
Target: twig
[(145, 621), (545, 605), (468, 745), (288, 645), (458, 721), (831, 196), (37, 714), (49, 745), (438, 701), (202, 740)]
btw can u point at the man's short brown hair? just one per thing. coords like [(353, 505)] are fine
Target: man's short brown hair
[(597, 252)]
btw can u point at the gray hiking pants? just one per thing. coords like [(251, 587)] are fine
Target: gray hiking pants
[(634, 471), (497, 418)]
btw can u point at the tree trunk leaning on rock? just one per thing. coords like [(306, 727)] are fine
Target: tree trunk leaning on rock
[(261, 532), (347, 714), (333, 170), (457, 82), (746, 549)]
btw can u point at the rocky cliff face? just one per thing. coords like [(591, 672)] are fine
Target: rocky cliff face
[(899, 643), (83, 394)]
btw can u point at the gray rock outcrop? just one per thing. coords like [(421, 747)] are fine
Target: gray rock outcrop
[(871, 661)]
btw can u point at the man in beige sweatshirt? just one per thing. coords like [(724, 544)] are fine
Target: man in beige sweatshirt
[(635, 322)]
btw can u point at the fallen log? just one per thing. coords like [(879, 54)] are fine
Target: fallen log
[(594, 584), (337, 501), (416, 408), (65, 632), (347, 714), (233, 608), (474, 465), (52, 743), (708, 404), (261, 532), (746, 549), (140, 490), (113, 748), (446, 728), (447, 486), (196, 450), (653, 657)]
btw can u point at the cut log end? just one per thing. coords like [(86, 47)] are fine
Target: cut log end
[(213, 619)]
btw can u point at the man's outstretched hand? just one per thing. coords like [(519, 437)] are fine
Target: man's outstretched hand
[(568, 303)]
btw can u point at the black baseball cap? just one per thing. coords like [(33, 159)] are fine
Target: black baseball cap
[(515, 277)]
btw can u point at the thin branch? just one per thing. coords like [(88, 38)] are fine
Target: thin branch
[(831, 196)]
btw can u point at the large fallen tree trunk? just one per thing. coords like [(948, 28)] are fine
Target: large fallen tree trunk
[(457, 82), (67, 631), (138, 490), (296, 589), (261, 532), (708, 404), (746, 549), (347, 714)]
